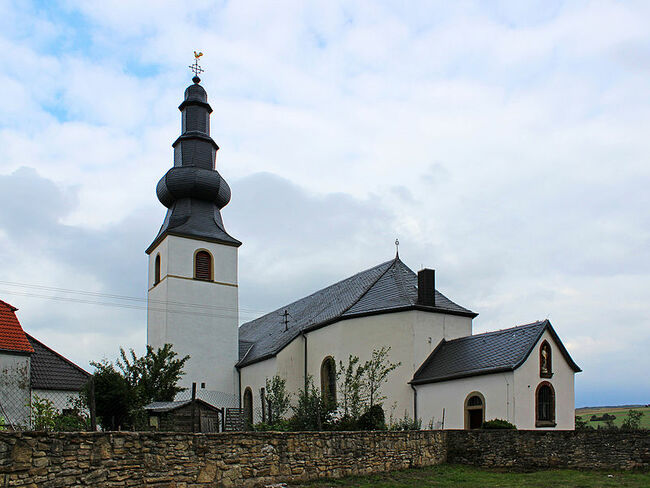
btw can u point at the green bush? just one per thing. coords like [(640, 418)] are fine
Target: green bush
[(405, 423), (633, 420), (277, 426), (372, 419), (498, 424)]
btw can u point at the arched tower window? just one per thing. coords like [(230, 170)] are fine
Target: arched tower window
[(545, 360), (545, 405), (328, 380), (248, 408), (474, 410), (203, 265), (156, 271)]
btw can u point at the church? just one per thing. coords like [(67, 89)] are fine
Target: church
[(448, 377)]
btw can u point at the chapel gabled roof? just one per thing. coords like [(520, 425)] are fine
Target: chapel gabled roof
[(387, 287), (491, 352), (12, 336), (51, 371)]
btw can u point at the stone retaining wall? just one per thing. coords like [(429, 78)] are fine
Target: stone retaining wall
[(529, 449), (174, 460), (168, 460)]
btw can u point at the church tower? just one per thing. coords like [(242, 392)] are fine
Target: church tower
[(193, 294)]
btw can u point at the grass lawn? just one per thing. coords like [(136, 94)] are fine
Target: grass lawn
[(466, 476), (619, 412)]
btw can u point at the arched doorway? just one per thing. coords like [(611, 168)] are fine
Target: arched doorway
[(248, 408), (474, 410)]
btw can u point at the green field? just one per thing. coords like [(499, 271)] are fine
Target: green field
[(452, 476), (619, 412)]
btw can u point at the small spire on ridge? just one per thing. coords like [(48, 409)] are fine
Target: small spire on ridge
[(196, 68), (396, 248)]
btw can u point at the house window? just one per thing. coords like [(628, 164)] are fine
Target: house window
[(248, 407), (156, 272), (545, 363), (545, 405), (474, 410), (203, 265), (328, 380)]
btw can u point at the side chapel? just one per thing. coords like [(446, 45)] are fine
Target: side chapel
[(448, 377)]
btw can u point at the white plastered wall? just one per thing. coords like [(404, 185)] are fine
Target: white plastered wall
[(14, 388), (527, 379), (509, 396), (254, 377), (412, 335), (199, 318)]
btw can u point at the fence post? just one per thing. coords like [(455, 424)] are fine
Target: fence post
[(193, 407), (91, 406)]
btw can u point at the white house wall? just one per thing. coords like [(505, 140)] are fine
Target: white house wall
[(527, 378), (14, 388), (199, 318), (407, 333), (497, 389), (254, 377)]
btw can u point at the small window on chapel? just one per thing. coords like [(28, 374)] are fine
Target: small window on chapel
[(328, 380), (203, 266), (545, 363), (156, 278)]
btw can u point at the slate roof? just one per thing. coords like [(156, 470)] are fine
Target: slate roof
[(491, 352), (51, 371), (12, 336), (387, 287), (163, 407)]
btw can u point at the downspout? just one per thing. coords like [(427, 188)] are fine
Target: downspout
[(239, 387), (415, 403), (304, 336)]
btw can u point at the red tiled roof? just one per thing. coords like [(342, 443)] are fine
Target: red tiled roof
[(12, 336)]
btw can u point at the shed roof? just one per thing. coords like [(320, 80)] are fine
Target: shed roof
[(164, 407), (12, 336), (387, 287), (491, 352), (51, 371)]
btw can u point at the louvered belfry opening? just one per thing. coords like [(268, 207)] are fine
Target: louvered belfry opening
[(203, 266)]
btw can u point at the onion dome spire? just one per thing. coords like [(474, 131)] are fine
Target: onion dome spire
[(193, 190)]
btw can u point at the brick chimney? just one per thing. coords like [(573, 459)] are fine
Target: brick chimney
[(426, 287)]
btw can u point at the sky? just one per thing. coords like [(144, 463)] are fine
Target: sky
[(504, 143)]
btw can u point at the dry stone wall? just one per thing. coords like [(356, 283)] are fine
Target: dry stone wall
[(169, 460), (177, 460)]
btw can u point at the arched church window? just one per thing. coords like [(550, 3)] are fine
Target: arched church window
[(328, 380), (156, 272), (545, 405), (545, 360), (203, 266), (248, 408), (474, 410)]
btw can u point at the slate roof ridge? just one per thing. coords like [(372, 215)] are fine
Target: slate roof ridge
[(500, 331), (368, 288), (60, 356), (320, 291)]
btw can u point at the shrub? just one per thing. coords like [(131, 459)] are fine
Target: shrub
[(43, 413), (582, 424), (405, 423), (498, 424), (277, 398), (633, 420), (372, 419), (277, 426), (311, 412)]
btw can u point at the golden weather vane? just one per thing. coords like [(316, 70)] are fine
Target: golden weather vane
[(195, 67)]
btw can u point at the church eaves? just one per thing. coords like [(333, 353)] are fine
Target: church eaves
[(193, 191), (386, 288)]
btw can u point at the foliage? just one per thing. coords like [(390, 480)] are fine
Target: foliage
[(2, 423), (114, 397), (376, 371), (121, 390), (280, 425), (498, 424), (582, 424), (405, 423), (43, 413), (351, 388), (372, 419), (277, 398), (73, 419), (633, 420), (311, 412)]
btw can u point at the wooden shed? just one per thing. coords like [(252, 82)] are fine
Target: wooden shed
[(185, 416)]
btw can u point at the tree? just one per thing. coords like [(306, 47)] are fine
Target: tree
[(633, 420), (113, 396), (155, 375), (277, 398), (376, 371), (351, 387), (121, 390)]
